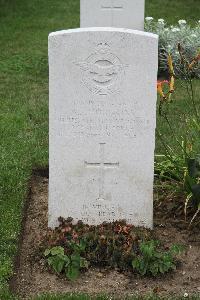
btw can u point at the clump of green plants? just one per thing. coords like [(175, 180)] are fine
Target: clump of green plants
[(70, 263), (152, 261), (70, 248)]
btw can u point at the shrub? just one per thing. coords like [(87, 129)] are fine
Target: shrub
[(169, 37), (71, 263), (152, 261)]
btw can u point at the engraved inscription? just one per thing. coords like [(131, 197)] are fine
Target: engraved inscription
[(101, 121), (102, 165), (102, 71), (103, 210), (98, 211)]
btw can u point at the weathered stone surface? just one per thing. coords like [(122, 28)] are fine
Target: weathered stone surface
[(114, 13), (102, 125)]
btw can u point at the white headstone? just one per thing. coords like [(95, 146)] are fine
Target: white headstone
[(102, 125), (113, 13)]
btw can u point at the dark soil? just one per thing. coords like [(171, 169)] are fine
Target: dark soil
[(32, 277)]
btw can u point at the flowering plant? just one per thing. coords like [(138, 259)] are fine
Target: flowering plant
[(186, 164), (169, 37)]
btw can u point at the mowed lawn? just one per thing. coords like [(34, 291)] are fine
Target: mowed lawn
[(24, 27)]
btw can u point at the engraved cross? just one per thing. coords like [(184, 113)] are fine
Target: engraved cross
[(102, 165)]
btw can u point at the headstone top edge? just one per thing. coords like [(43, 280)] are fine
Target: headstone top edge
[(103, 29)]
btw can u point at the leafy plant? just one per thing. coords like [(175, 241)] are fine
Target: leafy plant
[(169, 37), (117, 245), (56, 258), (152, 261), (69, 264)]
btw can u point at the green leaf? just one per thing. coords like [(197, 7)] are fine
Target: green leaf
[(50, 260), (57, 250), (78, 247), (66, 260), (72, 272), (75, 259), (74, 246), (82, 245), (176, 249), (135, 263), (56, 263), (154, 269)]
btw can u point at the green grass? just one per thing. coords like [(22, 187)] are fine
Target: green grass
[(24, 27), (85, 297), (8, 296), (172, 11), (180, 105)]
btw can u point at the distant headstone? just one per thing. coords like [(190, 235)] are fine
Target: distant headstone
[(112, 13), (102, 125)]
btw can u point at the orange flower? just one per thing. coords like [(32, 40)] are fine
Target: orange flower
[(160, 88), (170, 84)]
